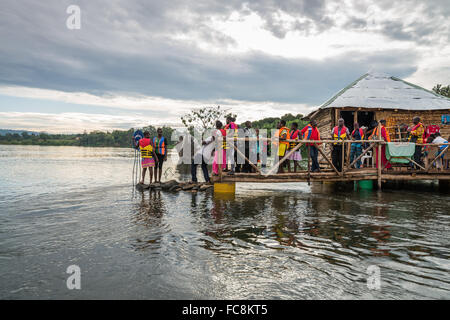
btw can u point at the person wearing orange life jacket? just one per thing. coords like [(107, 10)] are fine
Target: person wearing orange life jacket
[(310, 132), (386, 137), (356, 147), (339, 133), (282, 135), (295, 157), (416, 134), (148, 156), (159, 142)]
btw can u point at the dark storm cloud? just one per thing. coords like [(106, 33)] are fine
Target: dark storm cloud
[(124, 46)]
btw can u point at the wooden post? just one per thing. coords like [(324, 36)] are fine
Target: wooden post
[(326, 158), (343, 157), (243, 155), (379, 156), (275, 167), (309, 165), (219, 158)]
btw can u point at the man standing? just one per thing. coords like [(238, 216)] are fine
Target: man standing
[(159, 142), (416, 136), (202, 156), (356, 148), (339, 133), (310, 132), (249, 154)]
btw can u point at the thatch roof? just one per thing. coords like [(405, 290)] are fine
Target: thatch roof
[(379, 90)]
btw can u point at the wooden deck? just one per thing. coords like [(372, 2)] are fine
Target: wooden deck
[(425, 171), (350, 175)]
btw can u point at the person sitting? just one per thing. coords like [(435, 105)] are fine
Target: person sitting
[(148, 156), (356, 147), (437, 139), (310, 132)]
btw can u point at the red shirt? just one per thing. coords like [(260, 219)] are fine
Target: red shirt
[(144, 142), (314, 134)]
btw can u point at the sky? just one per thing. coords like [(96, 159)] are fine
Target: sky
[(133, 63)]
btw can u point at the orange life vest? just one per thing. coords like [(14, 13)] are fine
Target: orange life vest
[(160, 146), (361, 133), (339, 133)]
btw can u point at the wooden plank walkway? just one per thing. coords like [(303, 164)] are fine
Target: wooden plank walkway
[(350, 175), (330, 173)]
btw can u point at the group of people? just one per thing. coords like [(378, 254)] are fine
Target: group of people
[(415, 134), (221, 147)]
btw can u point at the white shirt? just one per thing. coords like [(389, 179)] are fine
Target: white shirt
[(206, 149), (439, 140)]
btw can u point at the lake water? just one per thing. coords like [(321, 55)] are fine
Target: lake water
[(62, 206)]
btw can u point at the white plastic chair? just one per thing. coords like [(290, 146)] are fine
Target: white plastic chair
[(368, 157)]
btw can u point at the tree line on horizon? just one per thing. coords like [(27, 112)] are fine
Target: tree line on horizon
[(196, 119)]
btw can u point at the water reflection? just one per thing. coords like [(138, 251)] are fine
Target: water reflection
[(149, 213), (279, 241)]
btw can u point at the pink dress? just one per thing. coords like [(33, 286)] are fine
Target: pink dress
[(219, 134)]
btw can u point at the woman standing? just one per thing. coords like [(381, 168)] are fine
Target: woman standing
[(148, 156), (220, 136)]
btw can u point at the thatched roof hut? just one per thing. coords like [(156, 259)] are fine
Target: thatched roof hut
[(376, 96)]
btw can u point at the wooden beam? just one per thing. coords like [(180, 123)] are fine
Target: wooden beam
[(360, 156), (328, 160), (243, 155), (275, 167), (438, 156)]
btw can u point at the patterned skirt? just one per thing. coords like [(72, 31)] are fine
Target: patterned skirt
[(147, 162), (296, 156)]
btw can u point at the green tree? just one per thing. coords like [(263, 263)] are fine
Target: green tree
[(443, 91), (204, 118)]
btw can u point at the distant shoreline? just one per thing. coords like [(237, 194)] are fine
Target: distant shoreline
[(2, 143)]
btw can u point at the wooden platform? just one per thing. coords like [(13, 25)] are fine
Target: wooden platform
[(350, 175)]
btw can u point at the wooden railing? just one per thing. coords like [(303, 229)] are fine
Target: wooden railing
[(347, 165)]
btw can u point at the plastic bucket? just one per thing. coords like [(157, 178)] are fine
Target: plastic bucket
[(365, 184)]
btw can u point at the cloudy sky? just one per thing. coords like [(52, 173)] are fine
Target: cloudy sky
[(138, 62)]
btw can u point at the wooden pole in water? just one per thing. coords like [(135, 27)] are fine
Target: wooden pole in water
[(309, 165), (379, 156)]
